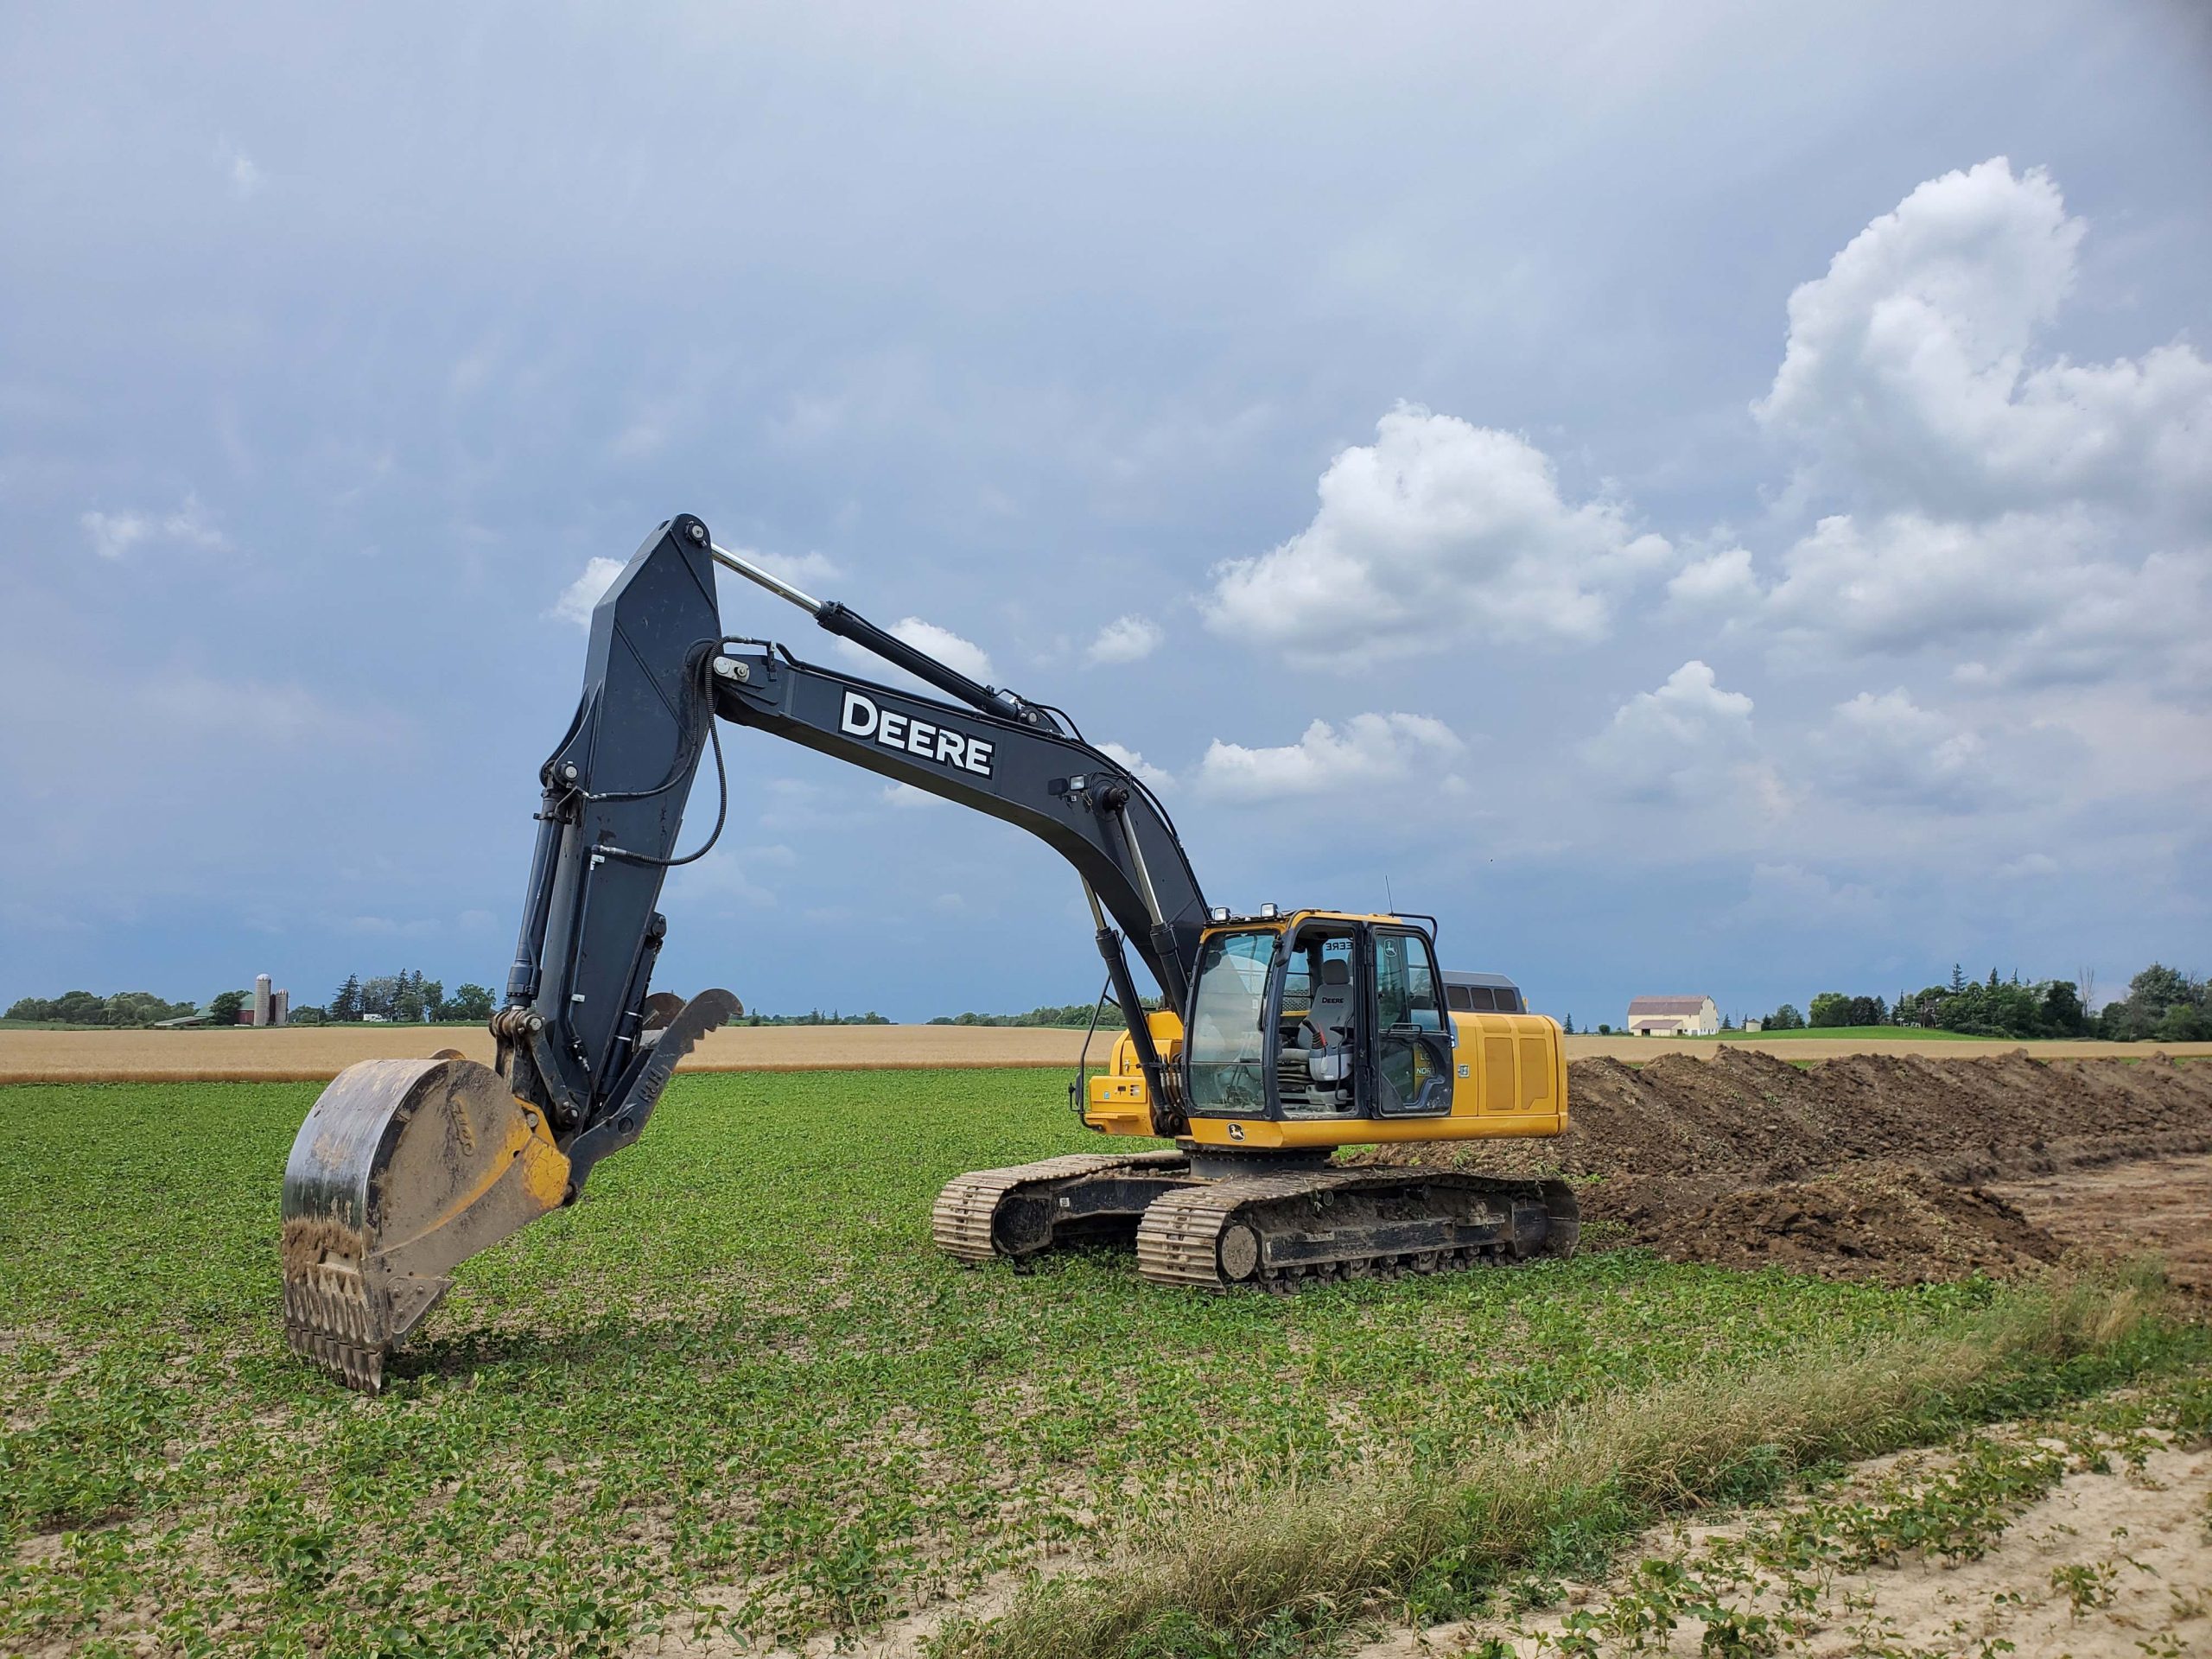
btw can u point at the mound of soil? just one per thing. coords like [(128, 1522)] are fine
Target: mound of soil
[(1872, 1166)]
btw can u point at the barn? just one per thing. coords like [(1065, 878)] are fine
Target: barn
[(1672, 1016)]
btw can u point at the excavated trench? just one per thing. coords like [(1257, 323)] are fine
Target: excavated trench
[(1882, 1167)]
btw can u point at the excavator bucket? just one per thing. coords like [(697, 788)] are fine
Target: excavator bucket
[(403, 1169)]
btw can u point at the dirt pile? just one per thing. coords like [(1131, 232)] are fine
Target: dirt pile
[(1873, 1167)]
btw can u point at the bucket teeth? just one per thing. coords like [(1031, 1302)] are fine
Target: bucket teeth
[(328, 1320)]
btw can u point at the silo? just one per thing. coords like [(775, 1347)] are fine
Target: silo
[(280, 1007), (261, 998)]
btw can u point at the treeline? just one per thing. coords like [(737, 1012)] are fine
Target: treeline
[(1068, 1014), (83, 1009), (405, 998), (2162, 1005), (815, 1017)]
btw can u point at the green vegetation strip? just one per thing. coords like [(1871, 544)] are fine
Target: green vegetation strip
[(737, 1388), (1276, 1570)]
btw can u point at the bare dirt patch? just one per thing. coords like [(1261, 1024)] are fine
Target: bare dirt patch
[(2164, 1208), (1877, 1166), (2115, 1563)]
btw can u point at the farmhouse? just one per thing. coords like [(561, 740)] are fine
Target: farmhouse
[(1672, 1016)]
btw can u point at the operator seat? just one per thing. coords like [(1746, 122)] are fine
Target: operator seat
[(1329, 1023)]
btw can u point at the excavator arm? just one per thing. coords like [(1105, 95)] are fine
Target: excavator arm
[(403, 1169)]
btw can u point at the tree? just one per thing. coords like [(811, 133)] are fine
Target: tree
[(307, 1014), (80, 1008), (1604, 1030), (1568, 1027), (1785, 1018), (469, 1002), (2063, 1013), (2154, 990), (433, 993), (346, 1005), (1958, 980), (1829, 1008), (223, 1008), (2184, 1022)]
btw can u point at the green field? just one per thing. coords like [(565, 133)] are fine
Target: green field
[(737, 1383)]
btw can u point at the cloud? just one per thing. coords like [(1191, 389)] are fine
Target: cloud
[(2028, 867), (1370, 749), (577, 598), (1909, 371), (2037, 596), (1135, 765), (1887, 750), (240, 170), (964, 656), (1687, 741), (905, 795), (1125, 640), (114, 534), (1720, 584), (1438, 530)]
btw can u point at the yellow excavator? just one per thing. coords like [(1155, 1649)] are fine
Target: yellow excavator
[(1281, 1035)]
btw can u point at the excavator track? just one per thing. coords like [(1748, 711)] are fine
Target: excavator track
[(967, 1223), (1278, 1231)]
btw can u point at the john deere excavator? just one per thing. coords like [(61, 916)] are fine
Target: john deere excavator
[(1282, 1036)]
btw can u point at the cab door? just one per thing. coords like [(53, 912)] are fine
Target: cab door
[(1411, 1051)]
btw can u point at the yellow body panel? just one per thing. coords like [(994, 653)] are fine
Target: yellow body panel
[(1509, 1079)]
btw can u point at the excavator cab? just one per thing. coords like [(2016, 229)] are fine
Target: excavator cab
[(1318, 1016)]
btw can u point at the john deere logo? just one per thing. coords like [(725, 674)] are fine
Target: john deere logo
[(923, 740)]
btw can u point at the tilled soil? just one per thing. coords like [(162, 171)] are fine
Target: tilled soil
[(1879, 1166)]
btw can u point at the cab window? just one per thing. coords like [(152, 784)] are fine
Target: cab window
[(1228, 1051), (1405, 983)]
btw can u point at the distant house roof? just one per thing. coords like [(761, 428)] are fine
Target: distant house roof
[(1683, 1005)]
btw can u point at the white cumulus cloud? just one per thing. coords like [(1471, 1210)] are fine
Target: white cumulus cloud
[(1437, 531), (1887, 750), (2037, 598), (1720, 584), (114, 534), (1911, 372), (1687, 739), (1125, 640), (1370, 749), (575, 605)]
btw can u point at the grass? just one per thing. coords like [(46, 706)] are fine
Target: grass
[(737, 1386), (1558, 1495), (1783, 1574)]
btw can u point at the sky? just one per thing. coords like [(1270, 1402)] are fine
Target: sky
[(1707, 499)]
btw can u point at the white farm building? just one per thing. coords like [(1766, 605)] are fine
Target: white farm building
[(1672, 1016)]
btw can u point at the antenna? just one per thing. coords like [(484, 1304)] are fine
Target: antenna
[(1389, 903)]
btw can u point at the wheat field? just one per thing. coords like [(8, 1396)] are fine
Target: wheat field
[(307, 1053)]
